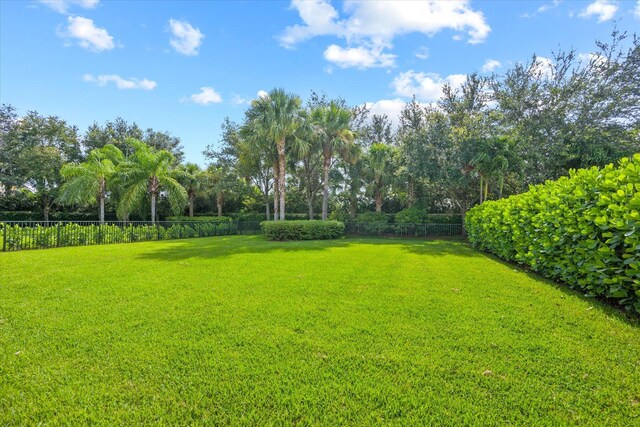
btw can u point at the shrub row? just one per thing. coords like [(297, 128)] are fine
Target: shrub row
[(200, 218), (581, 230), (39, 237), (302, 230)]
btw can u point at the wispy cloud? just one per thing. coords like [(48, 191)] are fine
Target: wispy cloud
[(120, 82), (425, 86), (63, 6), (490, 65)]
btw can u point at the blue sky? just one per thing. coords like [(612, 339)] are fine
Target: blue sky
[(183, 66)]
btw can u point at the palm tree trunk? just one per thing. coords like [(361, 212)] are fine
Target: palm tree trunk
[(481, 185), (486, 189), (378, 199), (281, 176), (276, 191), (325, 178), (153, 208), (191, 203), (101, 217)]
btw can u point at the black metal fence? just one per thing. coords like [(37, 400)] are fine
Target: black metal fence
[(403, 230), (22, 235)]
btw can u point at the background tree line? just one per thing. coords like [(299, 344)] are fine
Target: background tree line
[(489, 138)]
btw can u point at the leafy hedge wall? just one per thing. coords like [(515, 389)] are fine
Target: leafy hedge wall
[(302, 230), (583, 230), (200, 218)]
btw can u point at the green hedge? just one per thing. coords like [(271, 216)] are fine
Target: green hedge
[(69, 234), (302, 230), (200, 218), (582, 230)]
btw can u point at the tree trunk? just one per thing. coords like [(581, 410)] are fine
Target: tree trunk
[(276, 191), (486, 189), (266, 201), (463, 212), (310, 204), (153, 208), (411, 196), (353, 206), (45, 209), (378, 200), (281, 176), (101, 217), (481, 185), (325, 183), (191, 203), (219, 202)]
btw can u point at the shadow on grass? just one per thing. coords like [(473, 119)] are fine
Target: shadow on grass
[(606, 306), (221, 247)]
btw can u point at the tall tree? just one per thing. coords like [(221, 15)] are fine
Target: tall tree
[(87, 182), (146, 172), (380, 171), (193, 181), (270, 122), (333, 127)]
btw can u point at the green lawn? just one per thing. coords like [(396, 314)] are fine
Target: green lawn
[(238, 330)]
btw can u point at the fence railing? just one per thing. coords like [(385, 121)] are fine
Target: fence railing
[(23, 235), (403, 230)]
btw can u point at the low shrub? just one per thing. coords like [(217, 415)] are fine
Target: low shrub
[(412, 215), (583, 230), (200, 218), (370, 217), (302, 230)]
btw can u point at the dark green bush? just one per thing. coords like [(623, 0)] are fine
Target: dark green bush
[(412, 215), (583, 230), (200, 218), (302, 230), (369, 217)]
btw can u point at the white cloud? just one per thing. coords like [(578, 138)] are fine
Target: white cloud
[(422, 52), (636, 11), (262, 94), (87, 34), (490, 65), (121, 83), (603, 9), (62, 6), (543, 67), (425, 86), (548, 6), (392, 108), (372, 25), (186, 39), (238, 100), (358, 57), (206, 96)]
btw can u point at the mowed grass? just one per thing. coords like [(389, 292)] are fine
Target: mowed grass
[(238, 330)]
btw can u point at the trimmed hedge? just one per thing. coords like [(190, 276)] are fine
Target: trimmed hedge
[(583, 230), (302, 230), (200, 218)]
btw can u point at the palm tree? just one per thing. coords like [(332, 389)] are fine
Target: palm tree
[(87, 182), (270, 122), (193, 181), (380, 158), (148, 172), (332, 123), (220, 182)]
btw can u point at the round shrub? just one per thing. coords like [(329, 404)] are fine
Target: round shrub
[(302, 230)]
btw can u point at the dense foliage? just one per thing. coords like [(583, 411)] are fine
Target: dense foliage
[(14, 237), (303, 230), (489, 137), (583, 230)]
